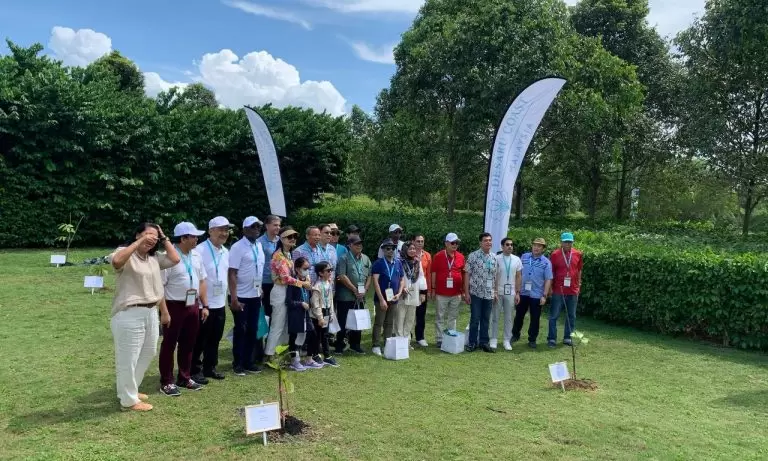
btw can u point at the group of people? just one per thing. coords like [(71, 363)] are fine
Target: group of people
[(280, 292)]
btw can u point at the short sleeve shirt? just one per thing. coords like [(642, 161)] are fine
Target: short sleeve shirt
[(481, 270), (186, 275), (566, 266), (445, 267), (536, 271), (390, 275), (509, 266), (248, 259), (216, 263), (139, 281), (268, 248), (357, 270), (314, 256)]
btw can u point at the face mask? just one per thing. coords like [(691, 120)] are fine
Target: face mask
[(303, 272)]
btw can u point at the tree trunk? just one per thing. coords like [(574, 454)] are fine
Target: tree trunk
[(593, 191), (748, 207), (453, 188), (518, 199), (750, 201), (621, 194)]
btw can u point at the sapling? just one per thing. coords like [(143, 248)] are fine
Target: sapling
[(68, 233), (285, 386), (577, 339)]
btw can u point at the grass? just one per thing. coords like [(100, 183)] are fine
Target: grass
[(659, 398)]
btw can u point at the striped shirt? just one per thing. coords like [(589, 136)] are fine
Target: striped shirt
[(536, 271)]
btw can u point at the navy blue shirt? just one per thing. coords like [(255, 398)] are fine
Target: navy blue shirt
[(390, 275)]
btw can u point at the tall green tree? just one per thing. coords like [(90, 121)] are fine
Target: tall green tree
[(725, 57)]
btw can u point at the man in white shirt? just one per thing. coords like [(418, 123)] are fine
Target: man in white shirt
[(216, 262), (187, 300), (395, 232), (509, 282), (246, 268)]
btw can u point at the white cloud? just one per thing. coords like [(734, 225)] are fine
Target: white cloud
[(258, 78), (78, 47), (370, 6), (381, 55), (269, 12), (154, 84), (670, 17)]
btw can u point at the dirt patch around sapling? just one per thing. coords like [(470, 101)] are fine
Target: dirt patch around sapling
[(293, 430), (577, 385)]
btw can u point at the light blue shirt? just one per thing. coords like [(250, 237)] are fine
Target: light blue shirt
[(536, 271), (268, 248)]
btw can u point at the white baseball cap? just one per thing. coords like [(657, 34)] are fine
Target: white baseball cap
[(219, 221), (186, 228), (395, 227), (250, 221), (452, 238)]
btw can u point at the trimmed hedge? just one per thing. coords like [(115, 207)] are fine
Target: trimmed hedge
[(674, 284)]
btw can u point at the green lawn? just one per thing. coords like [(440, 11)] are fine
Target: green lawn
[(659, 398)]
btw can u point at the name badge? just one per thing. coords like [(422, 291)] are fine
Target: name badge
[(507, 289), (390, 294), (528, 286), (191, 298), (327, 319), (449, 282), (489, 283), (567, 282), (361, 288), (218, 289)]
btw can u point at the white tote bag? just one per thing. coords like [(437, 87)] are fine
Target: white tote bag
[(396, 348)]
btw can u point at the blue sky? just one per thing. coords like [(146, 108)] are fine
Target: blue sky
[(324, 54)]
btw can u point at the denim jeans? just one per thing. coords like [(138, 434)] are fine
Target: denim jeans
[(479, 320), (558, 301)]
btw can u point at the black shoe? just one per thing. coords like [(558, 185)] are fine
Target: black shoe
[(439, 344), (189, 385), (239, 371), (213, 374), (532, 344), (469, 348), (253, 369), (200, 379), (487, 348), (357, 349)]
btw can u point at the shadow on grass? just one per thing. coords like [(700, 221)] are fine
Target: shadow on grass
[(756, 401), (97, 404)]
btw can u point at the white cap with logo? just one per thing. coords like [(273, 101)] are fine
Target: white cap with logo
[(219, 221), (450, 238), (395, 227), (186, 228), (250, 221)]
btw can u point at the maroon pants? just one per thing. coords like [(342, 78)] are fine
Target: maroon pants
[(185, 321)]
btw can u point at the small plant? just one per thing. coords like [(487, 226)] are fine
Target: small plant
[(577, 339), (280, 362), (68, 233), (99, 270)]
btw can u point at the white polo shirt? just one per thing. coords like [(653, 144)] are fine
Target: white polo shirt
[(248, 259), (176, 279), (508, 267), (216, 264)]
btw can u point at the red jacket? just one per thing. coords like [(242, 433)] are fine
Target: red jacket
[(561, 269)]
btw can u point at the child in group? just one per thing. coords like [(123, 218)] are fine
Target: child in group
[(322, 313), (299, 323)]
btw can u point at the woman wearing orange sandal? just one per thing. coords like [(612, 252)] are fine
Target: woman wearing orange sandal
[(138, 293)]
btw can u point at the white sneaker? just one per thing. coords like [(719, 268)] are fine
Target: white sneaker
[(494, 343), (423, 343), (507, 346), (377, 351)]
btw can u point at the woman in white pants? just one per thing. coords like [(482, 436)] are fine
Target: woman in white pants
[(138, 292), (282, 276), (508, 281), (405, 317)]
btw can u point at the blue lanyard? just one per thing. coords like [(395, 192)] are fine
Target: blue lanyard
[(508, 265), (187, 264), (391, 270), (325, 253), (304, 295), (326, 302), (358, 266), (312, 256), (215, 260), (255, 258)]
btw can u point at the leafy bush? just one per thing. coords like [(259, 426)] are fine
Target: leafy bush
[(674, 283)]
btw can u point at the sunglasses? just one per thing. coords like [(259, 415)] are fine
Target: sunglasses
[(336, 233), (453, 244), (290, 237), (389, 248)]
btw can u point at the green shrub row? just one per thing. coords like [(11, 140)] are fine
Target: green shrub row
[(672, 284)]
